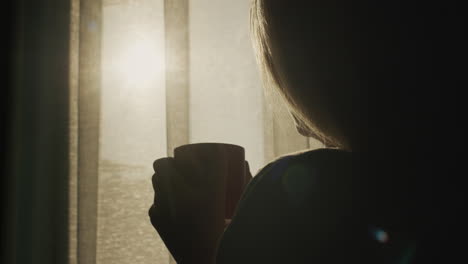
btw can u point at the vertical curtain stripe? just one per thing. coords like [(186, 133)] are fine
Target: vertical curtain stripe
[(39, 145), (268, 128), (73, 132), (88, 127), (176, 18), (281, 136), (286, 137)]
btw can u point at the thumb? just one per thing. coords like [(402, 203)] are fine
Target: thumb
[(247, 174)]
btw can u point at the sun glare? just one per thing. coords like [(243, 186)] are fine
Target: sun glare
[(139, 63)]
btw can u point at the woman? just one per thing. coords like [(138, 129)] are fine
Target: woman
[(366, 79)]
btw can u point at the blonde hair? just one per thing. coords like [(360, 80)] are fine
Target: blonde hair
[(273, 78)]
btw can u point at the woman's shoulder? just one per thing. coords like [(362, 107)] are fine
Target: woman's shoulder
[(317, 157), (284, 204), (323, 161), (296, 179)]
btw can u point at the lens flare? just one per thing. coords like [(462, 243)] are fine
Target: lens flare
[(380, 235)]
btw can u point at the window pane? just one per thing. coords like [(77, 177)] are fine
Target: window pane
[(225, 89), (225, 105), (133, 131)]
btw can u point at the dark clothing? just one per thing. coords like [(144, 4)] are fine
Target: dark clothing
[(324, 206)]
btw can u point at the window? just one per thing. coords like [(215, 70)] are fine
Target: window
[(196, 53)]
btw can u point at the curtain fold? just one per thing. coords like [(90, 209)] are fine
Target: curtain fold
[(38, 151), (85, 86), (176, 21), (73, 132)]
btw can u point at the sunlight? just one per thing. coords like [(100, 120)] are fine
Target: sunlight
[(139, 63), (132, 131)]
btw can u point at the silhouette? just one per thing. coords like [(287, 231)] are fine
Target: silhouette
[(378, 83)]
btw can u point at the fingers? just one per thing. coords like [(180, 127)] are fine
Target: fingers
[(173, 202), (165, 228), (160, 166), (163, 163), (162, 211), (165, 171), (153, 215)]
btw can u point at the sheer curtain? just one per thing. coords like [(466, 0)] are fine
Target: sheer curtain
[(147, 76)]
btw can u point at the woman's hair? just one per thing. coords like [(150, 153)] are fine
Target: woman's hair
[(385, 80), (350, 71), (301, 55)]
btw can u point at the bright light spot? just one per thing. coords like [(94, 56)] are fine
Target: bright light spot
[(381, 236), (139, 63)]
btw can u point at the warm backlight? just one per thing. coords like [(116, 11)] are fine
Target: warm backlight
[(139, 63)]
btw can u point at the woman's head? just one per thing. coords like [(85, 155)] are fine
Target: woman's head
[(302, 50), (344, 67)]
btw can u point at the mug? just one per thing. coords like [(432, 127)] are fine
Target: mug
[(212, 177)]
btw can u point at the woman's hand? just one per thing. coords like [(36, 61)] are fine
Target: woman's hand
[(174, 215), (182, 216), (162, 211)]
